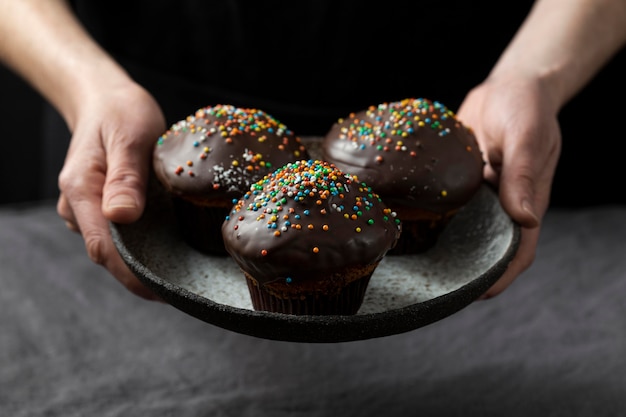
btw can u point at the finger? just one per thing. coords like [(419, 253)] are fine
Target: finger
[(73, 227), (65, 212), (116, 266), (101, 249), (526, 179), (493, 168), (525, 183), (81, 197), (522, 260), (128, 163)]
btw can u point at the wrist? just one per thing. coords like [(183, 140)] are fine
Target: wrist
[(90, 88), (548, 82)]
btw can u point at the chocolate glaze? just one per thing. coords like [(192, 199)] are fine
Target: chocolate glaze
[(219, 151), (306, 219), (413, 152)]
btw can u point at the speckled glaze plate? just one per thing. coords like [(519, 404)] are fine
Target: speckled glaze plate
[(405, 292)]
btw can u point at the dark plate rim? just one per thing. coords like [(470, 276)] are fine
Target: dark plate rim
[(316, 329)]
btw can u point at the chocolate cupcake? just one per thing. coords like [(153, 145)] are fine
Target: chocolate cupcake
[(308, 237), (210, 159), (418, 156)]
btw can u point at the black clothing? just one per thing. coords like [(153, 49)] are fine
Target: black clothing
[(308, 62), (305, 62)]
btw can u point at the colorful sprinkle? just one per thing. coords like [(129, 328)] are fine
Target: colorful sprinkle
[(227, 124), (301, 190), (387, 126)]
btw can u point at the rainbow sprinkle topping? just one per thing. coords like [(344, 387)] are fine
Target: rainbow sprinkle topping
[(387, 126), (229, 122), (303, 195)]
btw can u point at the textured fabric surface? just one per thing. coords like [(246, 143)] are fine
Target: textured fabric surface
[(73, 342)]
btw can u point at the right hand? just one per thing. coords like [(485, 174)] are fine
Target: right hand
[(105, 174), (516, 125)]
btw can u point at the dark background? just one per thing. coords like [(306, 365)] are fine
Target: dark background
[(20, 116), (589, 172)]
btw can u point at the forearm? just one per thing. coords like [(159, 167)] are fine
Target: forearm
[(565, 43), (44, 43)]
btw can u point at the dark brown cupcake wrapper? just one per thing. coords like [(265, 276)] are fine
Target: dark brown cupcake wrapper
[(346, 301), (418, 236), (201, 226)]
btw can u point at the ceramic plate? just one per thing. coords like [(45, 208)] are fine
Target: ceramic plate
[(404, 294)]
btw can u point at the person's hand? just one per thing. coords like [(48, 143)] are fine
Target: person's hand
[(516, 124), (106, 171)]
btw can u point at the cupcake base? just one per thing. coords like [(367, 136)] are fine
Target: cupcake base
[(324, 299), (201, 225), (420, 232)]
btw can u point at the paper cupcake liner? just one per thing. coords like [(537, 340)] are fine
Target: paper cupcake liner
[(419, 235), (346, 301), (201, 226)]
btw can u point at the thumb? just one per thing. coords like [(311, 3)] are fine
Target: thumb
[(524, 186), (123, 195), (517, 195)]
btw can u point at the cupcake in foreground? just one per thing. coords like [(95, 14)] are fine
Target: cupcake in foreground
[(308, 237), (418, 156), (211, 158)]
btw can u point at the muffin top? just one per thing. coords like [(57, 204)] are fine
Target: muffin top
[(219, 151), (305, 218), (413, 152)]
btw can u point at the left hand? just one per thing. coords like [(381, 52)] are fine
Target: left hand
[(105, 175)]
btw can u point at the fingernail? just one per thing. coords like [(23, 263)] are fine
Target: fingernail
[(528, 208), (122, 201)]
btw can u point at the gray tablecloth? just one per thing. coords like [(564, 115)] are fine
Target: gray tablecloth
[(73, 342)]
